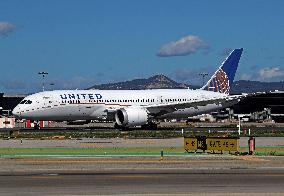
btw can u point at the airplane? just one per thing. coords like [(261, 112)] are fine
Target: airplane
[(131, 108)]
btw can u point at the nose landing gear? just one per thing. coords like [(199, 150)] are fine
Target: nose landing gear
[(36, 125)]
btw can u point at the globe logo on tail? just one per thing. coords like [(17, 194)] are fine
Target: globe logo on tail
[(222, 79), (220, 82)]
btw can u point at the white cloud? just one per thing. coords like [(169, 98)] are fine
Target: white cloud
[(270, 72), (184, 46), (6, 29)]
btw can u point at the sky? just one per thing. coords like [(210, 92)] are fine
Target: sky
[(83, 43)]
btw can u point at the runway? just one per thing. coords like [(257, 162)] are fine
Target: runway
[(197, 175), (143, 182), (77, 167)]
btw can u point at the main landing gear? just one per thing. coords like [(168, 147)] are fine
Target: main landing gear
[(150, 126)]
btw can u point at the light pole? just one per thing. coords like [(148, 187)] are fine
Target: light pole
[(43, 75), (203, 77), (51, 86)]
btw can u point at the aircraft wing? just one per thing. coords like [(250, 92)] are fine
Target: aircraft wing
[(165, 108), (161, 109)]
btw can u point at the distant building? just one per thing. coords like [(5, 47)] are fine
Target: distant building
[(258, 108), (9, 102)]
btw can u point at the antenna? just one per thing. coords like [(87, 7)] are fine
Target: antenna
[(43, 75)]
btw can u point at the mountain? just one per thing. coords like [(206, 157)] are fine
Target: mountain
[(246, 86), (154, 82), (161, 81)]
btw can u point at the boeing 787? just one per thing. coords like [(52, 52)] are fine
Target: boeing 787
[(130, 108)]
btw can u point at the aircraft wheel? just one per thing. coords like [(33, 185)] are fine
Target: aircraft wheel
[(36, 126), (150, 126)]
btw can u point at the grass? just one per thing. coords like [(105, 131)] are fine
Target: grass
[(97, 150), (137, 151), (134, 134), (92, 151)]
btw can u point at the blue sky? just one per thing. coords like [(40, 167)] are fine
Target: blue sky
[(82, 43)]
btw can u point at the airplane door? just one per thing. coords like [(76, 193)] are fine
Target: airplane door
[(81, 109), (46, 101), (160, 99)]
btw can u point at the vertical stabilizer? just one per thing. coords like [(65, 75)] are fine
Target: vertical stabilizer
[(224, 76)]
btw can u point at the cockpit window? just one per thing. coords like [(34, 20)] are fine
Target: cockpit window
[(23, 102), (28, 102)]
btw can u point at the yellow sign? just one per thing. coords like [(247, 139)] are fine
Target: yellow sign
[(224, 144), (190, 144), (211, 143)]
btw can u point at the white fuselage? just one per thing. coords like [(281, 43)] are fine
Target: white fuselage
[(71, 105), (134, 107)]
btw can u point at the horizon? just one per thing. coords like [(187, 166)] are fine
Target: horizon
[(184, 83), (98, 42), (88, 88)]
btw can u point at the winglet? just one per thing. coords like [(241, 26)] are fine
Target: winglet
[(223, 78)]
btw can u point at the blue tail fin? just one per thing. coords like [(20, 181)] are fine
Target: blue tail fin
[(224, 76)]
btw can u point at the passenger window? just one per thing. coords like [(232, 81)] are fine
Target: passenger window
[(28, 102), (23, 102)]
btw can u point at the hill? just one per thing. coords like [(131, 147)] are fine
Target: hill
[(161, 81), (154, 82), (246, 86)]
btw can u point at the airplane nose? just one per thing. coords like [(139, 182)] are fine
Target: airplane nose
[(16, 112)]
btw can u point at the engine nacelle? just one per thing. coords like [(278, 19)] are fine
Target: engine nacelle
[(130, 117)]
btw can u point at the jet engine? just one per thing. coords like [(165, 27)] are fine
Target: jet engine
[(130, 117)]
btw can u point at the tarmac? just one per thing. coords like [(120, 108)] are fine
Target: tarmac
[(203, 175), (86, 167)]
